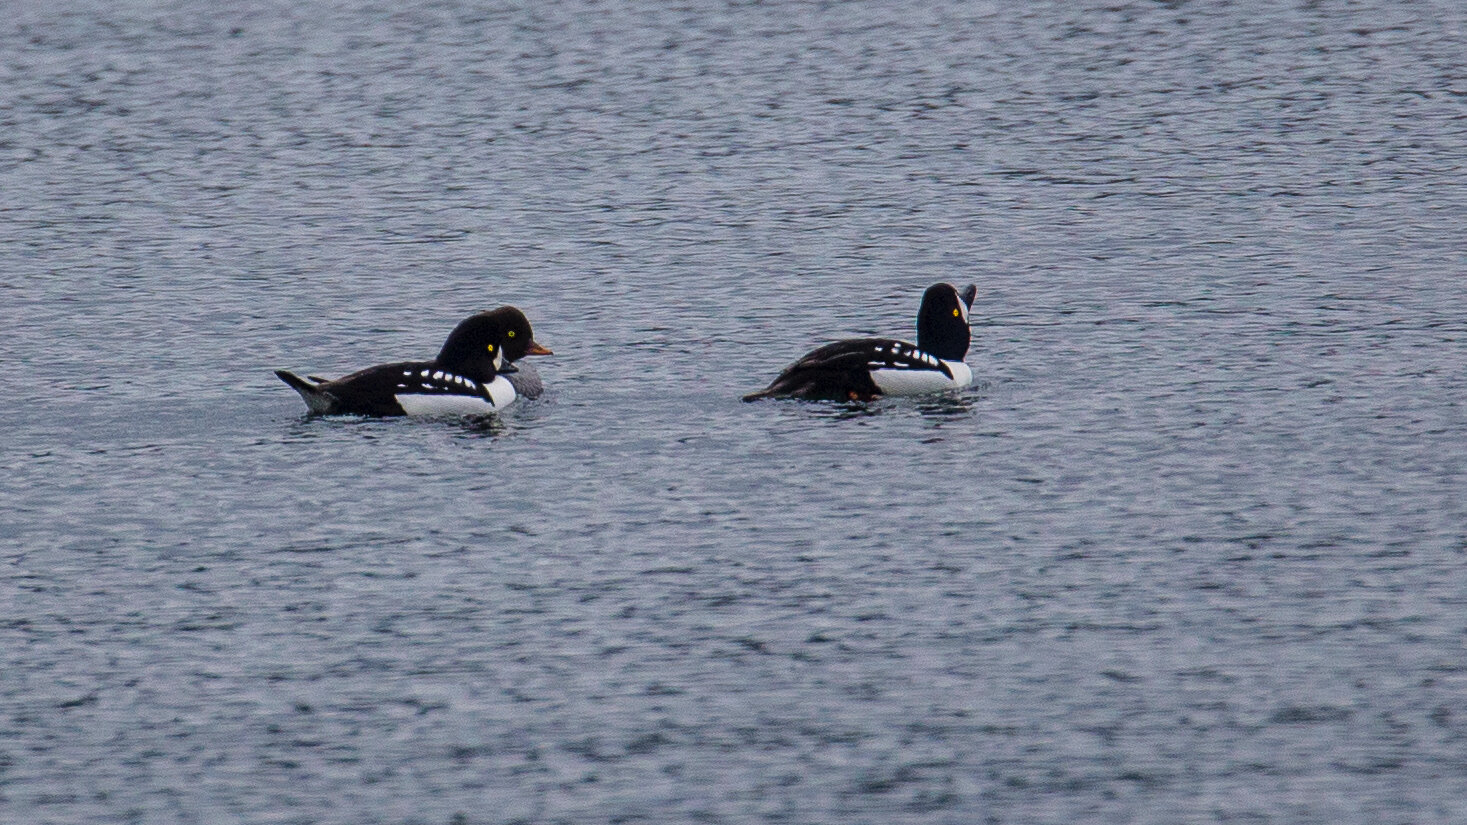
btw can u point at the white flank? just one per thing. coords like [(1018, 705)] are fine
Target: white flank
[(445, 404), (919, 382)]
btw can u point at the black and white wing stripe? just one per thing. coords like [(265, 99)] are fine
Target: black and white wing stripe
[(900, 355), (427, 380), (869, 354)]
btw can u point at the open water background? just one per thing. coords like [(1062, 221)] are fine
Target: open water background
[(1192, 552)]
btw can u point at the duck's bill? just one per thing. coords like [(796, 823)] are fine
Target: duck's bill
[(536, 349)]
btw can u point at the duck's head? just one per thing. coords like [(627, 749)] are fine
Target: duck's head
[(485, 344), (942, 322)]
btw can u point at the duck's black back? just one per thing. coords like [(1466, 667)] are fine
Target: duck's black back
[(373, 391), (835, 372)]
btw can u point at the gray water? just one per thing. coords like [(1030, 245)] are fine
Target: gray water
[(1190, 551)]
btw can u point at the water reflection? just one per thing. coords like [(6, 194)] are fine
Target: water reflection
[(308, 427), (491, 426), (839, 410), (945, 407)]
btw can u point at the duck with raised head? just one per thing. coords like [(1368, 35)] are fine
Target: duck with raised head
[(862, 369), (470, 376)]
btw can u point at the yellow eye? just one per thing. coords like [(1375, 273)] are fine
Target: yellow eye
[(491, 347), (511, 333), (957, 314)]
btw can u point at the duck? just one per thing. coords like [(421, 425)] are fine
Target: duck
[(863, 369), (470, 376)]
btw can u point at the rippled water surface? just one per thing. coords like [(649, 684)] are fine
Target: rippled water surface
[(1192, 550)]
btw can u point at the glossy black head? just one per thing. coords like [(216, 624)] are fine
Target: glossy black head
[(942, 322), (483, 345)]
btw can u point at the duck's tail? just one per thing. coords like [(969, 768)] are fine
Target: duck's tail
[(317, 400)]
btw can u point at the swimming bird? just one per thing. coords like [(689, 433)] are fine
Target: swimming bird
[(861, 369), (470, 376)]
